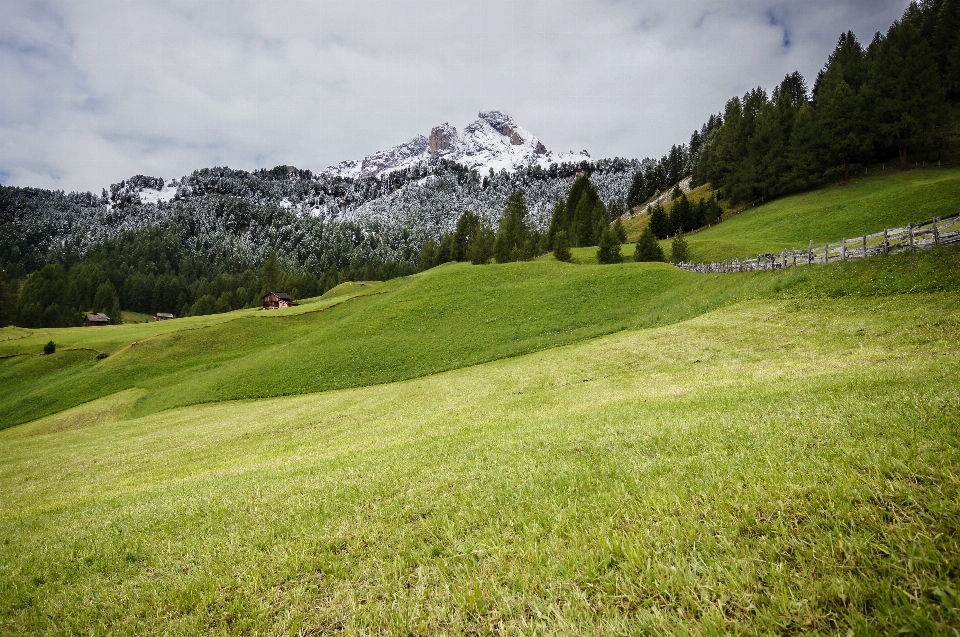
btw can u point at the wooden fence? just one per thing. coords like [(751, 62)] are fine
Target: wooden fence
[(914, 236)]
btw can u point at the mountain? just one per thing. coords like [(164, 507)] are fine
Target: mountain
[(378, 210), (493, 142)]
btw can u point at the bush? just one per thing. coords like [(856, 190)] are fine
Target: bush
[(49, 348)]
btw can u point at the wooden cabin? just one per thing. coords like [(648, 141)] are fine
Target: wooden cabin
[(276, 300), (96, 319), (162, 316)]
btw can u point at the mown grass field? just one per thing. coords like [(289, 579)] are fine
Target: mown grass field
[(532, 448), (773, 466)]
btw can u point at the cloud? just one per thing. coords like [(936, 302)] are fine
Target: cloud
[(96, 91)]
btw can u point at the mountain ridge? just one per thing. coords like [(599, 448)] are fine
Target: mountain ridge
[(493, 142)]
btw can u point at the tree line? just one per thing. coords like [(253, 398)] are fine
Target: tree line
[(893, 98), (150, 271)]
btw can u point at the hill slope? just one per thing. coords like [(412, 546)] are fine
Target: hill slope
[(774, 466), (449, 317)]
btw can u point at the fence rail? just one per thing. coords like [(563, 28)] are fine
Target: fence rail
[(913, 236)]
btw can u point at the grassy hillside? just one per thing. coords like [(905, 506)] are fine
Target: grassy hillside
[(865, 205), (450, 317), (777, 466), (530, 448)]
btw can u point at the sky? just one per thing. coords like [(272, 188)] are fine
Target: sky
[(94, 91)]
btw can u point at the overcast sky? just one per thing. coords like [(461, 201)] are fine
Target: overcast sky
[(92, 92)]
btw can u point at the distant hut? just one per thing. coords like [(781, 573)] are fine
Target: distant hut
[(275, 300), (162, 316), (96, 319)]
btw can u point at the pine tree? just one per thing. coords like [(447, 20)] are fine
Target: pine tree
[(558, 223), (561, 247), (467, 226), (904, 88), (647, 247), (619, 230), (513, 241), (428, 255), (270, 273), (638, 190), (480, 250), (659, 222), (681, 219), (107, 302), (600, 221), (608, 247), (679, 251)]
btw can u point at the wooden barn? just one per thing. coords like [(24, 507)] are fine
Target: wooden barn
[(96, 319), (275, 300), (162, 316)]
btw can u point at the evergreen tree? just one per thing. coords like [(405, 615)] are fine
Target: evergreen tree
[(904, 88), (647, 247), (270, 273), (638, 190), (428, 255), (659, 222), (585, 211), (679, 251), (107, 302), (608, 247), (620, 231), (805, 152), (467, 226), (600, 221), (49, 348), (8, 299), (446, 252), (561, 247), (480, 250), (681, 218), (513, 241), (558, 223), (615, 209)]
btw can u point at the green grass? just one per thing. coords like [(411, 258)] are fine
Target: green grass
[(776, 466), (867, 204), (449, 317), (531, 448)]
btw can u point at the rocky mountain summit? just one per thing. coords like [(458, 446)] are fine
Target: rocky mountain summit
[(493, 142)]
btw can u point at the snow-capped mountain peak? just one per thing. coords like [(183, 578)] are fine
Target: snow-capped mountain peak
[(494, 141)]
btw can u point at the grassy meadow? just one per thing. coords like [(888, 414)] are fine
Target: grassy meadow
[(531, 448), (864, 205)]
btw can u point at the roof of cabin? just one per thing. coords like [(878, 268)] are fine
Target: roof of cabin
[(283, 296), (99, 316)]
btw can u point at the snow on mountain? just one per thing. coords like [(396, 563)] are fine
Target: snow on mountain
[(493, 142)]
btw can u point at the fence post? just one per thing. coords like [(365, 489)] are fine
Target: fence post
[(864, 246), (910, 232), (936, 233), (886, 242), (810, 253), (826, 253), (843, 250)]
